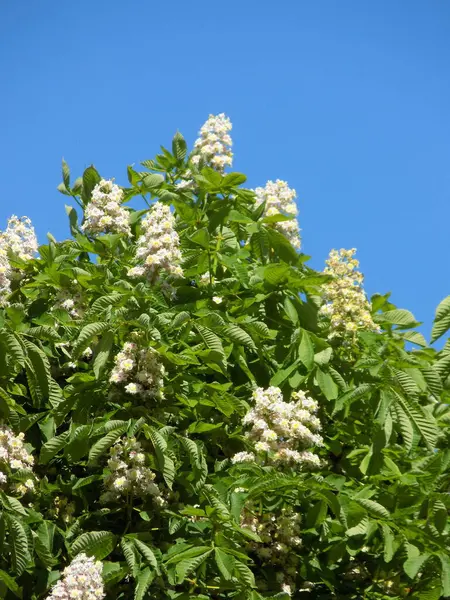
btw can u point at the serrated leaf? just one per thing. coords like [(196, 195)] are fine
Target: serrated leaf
[(95, 543), (165, 463), (86, 335), (238, 335), (413, 564), (103, 444), (398, 316), (306, 350), (225, 563), (245, 574), (327, 385), (10, 583), (187, 566), (12, 345), (388, 538), (147, 553), (53, 446), (441, 323), (144, 580), (445, 573), (102, 352), (18, 544)]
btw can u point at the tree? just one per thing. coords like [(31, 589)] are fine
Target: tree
[(185, 400)]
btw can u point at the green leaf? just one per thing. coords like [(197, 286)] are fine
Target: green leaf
[(245, 574), (259, 243), (201, 237), (166, 464), (147, 553), (179, 146), (66, 174), (445, 576), (282, 246), (376, 509), (95, 543), (103, 444), (225, 563), (86, 335), (187, 566), (398, 316), (424, 423), (326, 383), (211, 340), (102, 352), (53, 446), (441, 323), (40, 366), (144, 581), (281, 375), (153, 181), (90, 180), (10, 583), (388, 537), (44, 543), (239, 336), (306, 350), (413, 564), (405, 425), (12, 345), (130, 554), (415, 338), (233, 179), (18, 544), (291, 311)]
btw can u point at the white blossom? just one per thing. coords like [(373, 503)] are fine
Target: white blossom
[(5, 275), (243, 457), (213, 145), (158, 248), (280, 538), (20, 239), (72, 299), (104, 213), (128, 472), (217, 299), (283, 430), (141, 371), (345, 303), (81, 580), (14, 456), (280, 200)]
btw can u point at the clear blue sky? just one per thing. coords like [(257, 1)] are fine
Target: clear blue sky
[(348, 101)]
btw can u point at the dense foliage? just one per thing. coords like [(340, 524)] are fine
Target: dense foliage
[(208, 416)]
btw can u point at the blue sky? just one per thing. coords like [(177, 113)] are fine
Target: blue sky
[(348, 101)]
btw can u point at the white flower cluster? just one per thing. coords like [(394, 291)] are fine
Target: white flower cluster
[(186, 182), (141, 369), (104, 213), (280, 200), (5, 275), (159, 245), (279, 428), (14, 456), (346, 304), (82, 580), (19, 238), (128, 472), (73, 301), (213, 146), (280, 537)]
